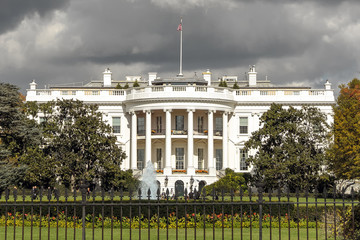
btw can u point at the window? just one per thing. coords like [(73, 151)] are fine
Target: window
[(116, 124), (179, 158), (243, 125), (140, 159), (243, 157), (200, 158), (219, 159), (218, 124), (141, 125), (158, 124), (158, 158), (200, 124), (179, 123)]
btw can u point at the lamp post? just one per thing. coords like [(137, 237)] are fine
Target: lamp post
[(191, 182), (166, 181)]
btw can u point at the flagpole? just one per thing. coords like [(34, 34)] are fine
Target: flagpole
[(180, 74)]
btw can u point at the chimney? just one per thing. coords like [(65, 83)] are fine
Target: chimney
[(152, 77), (327, 85), (33, 85), (207, 76), (107, 77), (252, 76)]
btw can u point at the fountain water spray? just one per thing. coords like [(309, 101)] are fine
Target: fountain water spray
[(149, 182)]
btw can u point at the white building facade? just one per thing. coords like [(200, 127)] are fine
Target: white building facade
[(189, 128)]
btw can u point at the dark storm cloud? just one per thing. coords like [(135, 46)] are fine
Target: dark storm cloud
[(12, 12), (294, 42), (143, 32)]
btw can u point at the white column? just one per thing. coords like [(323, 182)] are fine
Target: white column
[(148, 137), (212, 170), (190, 145), (225, 141), (133, 140), (167, 169)]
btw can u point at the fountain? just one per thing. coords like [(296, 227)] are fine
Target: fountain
[(149, 182)]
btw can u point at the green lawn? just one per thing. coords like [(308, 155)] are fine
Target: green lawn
[(163, 234)]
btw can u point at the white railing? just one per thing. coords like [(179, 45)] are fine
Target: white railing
[(243, 92), (157, 89), (186, 92), (200, 89), (43, 92), (117, 92), (179, 88), (267, 93), (316, 92)]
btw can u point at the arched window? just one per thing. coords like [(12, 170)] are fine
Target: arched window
[(179, 188), (201, 185)]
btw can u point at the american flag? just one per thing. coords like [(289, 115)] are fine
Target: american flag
[(180, 26)]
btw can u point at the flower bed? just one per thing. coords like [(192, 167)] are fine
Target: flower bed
[(179, 171), (192, 220), (201, 171)]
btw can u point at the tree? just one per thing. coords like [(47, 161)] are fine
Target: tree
[(17, 135), (80, 144), (231, 181), (345, 151), (290, 147)]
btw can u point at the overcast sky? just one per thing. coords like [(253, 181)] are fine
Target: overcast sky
[(294, 43)]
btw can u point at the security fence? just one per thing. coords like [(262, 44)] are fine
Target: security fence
[(98, 214)]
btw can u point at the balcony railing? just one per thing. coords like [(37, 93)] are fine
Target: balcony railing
[(158, 132), (179, 132), (218, 132), (200, 131), (178, 92)]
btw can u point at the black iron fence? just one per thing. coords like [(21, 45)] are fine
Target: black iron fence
[(84, 214)]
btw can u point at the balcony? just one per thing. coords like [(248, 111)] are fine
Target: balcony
[(178, 132), (179, 92), (157, 131), (218, 132), (200, 132)]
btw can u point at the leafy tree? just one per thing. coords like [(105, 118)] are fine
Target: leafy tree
[(80, 144), (17, 135), (136, 84), (290, 147), (41, 169), (231, 181), (118, 86), (126, 86), (345, 151)]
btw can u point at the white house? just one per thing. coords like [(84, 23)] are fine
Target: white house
[(189, 128)]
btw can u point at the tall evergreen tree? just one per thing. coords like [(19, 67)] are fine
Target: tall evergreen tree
[(17, 135)]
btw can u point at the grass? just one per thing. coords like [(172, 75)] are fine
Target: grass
[(163, 234)]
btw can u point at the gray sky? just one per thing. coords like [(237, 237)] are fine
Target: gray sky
[(296, 43)]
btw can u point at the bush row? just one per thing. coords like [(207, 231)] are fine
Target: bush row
[(164, 208)]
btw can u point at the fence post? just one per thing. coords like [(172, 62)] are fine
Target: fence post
[(83, 189), (260, 201)]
